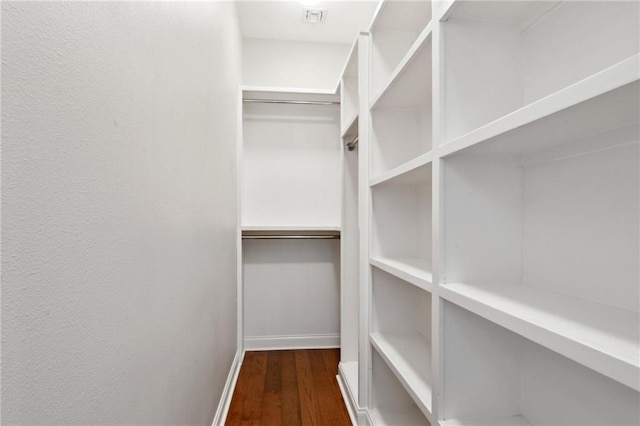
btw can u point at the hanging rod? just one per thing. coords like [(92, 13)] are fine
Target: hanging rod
[(291, 237), (278, 101), (352, 145)]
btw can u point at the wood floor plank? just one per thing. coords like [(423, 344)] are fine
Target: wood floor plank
[(290, 397), (306, 390), (331, 409), (252, 408), (272, 402), (234, 416)]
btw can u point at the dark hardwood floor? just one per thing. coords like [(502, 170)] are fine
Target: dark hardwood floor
[(296, 387)]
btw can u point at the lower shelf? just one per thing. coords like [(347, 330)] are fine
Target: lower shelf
[(409, 358), (497, 421), (601, 337), (396, 417)]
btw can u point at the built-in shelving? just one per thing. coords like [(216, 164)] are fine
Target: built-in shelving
[(401, 222), (610, 95), (402, 113), (495, 421), (349, 98), (525, 51), (409, 358), (494, 375), (503, 176), (401, 334), (350, 276), (415, 271), (600, 336), (395, 28), (392, 405)]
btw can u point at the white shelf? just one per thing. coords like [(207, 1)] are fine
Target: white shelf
[(410, 82), (598, 336), (349, 96), (412, 172), (499, 57), (496, 421), (409, 358), (294, 228), (395, 28), (413, 270), (351, 129), (611, 96), (396, 417)]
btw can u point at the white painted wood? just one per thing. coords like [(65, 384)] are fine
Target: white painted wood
[(402, 112), (597, 335), (396, 26), (399, 307), (391, 404), (349, 100), (349, 373), (350, 254), (364, 222), (410, 172), (408, 356), (492, 373), (401, 219), (348, 398), (303, 229), (539, 219), (611, 95), (304, 341), (410, 82), (414, 271), (227, 393), (522, 52), (494, 421)]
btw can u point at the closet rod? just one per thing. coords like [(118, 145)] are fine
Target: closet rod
[(352, 145), (282, 101), (290, 237)]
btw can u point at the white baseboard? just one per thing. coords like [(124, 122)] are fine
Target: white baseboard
[(348, 400), (227, 393), (310, 341)]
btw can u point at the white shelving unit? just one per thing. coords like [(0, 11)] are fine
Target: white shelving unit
[(502, 56), (392, 405), (495, 377), (503, 218), (395, 28), (401, 334), (350, 243)]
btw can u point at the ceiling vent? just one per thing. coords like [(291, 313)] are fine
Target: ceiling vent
[(314, 16)]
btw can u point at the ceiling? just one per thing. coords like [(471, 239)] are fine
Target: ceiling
[(282, 20)]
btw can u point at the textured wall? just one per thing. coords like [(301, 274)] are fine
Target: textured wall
[(118, 210), (279, 63)]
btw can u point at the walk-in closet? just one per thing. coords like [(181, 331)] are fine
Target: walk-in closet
[(320, 212), (482, 176)]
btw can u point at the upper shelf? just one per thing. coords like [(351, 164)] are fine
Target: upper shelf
[(349, 97), (601, 337), (409, 85), (395, 28), (413, 172), (604, 101)]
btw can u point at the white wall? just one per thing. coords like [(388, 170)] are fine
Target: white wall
[(291, 64), (118, 203)]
